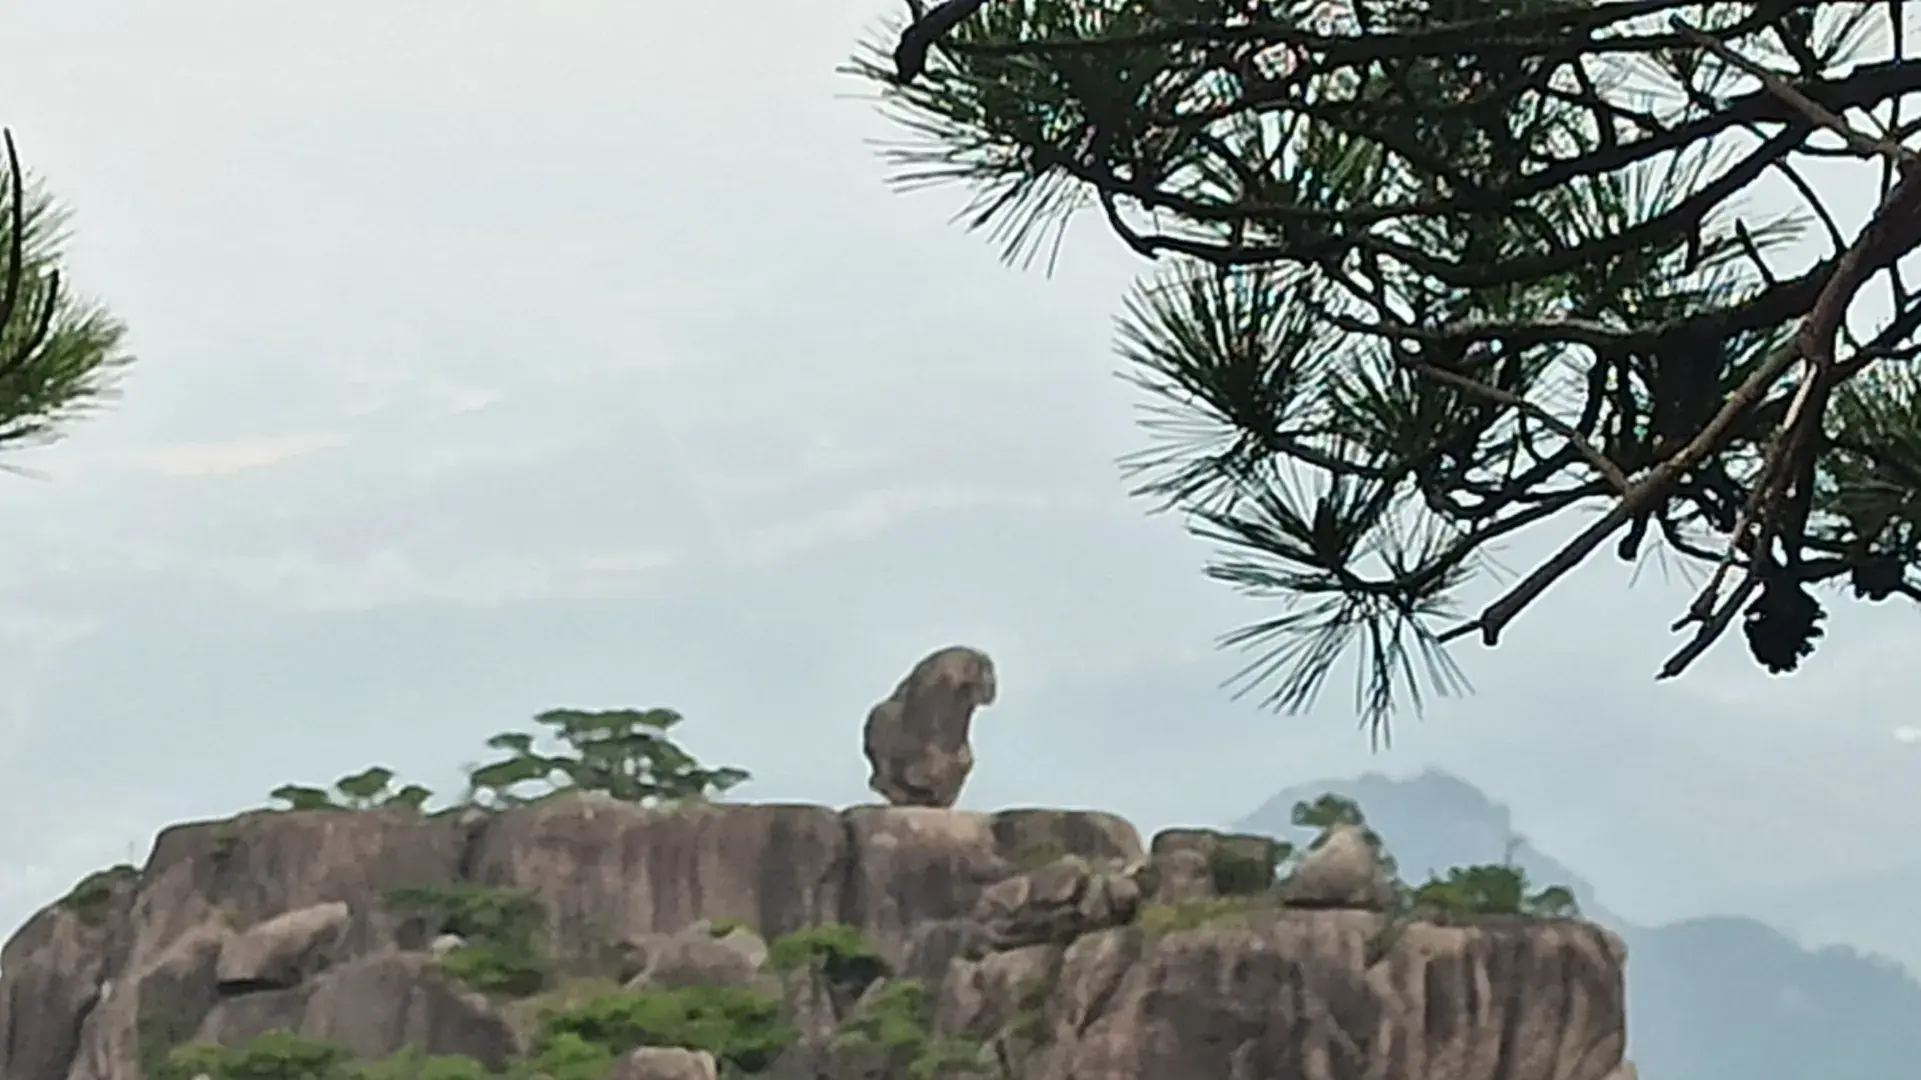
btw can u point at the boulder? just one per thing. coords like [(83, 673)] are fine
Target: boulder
[(695, 957), (1344, 872), (665, 1063), (1195, 864), (284, 951), (1287, 993), (375, 1007), (1056, 903), (1181, 876), (1000, 991), (916, 740)]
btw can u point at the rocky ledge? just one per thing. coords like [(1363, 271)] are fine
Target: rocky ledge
[(885, 942)]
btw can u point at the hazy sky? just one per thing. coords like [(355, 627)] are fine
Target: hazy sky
[(498, 356)]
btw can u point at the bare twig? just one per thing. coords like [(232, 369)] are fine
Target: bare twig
[(1711, 629), (1601, 462), (1857, 141), (910, 56), (1895, 229)]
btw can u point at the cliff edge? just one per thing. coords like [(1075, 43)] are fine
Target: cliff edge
[(884, 941)]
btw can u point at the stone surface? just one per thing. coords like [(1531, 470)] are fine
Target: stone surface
[(283, 951), (916, 740), (1182, 876), (277, 921), (374, 1006), (665, 1063), (1344, 872), (1056, 903), (1286, 994), (696, 957)]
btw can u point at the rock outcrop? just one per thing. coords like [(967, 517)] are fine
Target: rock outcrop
[(916, 740), (1344, 872), (1029, 944)]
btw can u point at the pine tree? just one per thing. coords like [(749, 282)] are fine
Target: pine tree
[(1434, 272)]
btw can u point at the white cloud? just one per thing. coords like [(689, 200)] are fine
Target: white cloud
[(233, 455), (1908, 734), (874, 512), (391, 577)]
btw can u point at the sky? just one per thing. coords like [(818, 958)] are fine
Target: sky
[(502, 356)]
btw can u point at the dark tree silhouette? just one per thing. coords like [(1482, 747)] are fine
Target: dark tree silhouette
[(59, 356), (1436, 271)]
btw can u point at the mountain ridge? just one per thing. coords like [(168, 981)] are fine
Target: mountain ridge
[(1724, 997)]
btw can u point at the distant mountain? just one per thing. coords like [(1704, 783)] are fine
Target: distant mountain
[(1722, 998), (1873, 909)]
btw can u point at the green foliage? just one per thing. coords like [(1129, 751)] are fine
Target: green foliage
[(369, 789), (841, 954), (1330, 810), (413, 1064), (275, 1055), (1156, 920), (281, 1055), (743, 1029), (304, 798), (501, 928), (624, 753), (946, 1056), (92, 897), (567, 1056), (161, 1024), (1237, 871), (897, 1021), (1416, 298), (720, 928), (494, 969), (895, 1017), (1460, 891), (1493, 890)]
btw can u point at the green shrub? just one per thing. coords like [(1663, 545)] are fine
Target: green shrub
[(412, 1064), (280, 1055), (742, 1028), (92, 897), (476, 912), (945, 1056), (1493, 890), (897, 1021), (501, 929), (720, 928), (1159, 919), (492, 969), (275, 1055), (567, 1056), (1237, 871), (895, 1018), (839, 952), (370, 789), (624, 753)]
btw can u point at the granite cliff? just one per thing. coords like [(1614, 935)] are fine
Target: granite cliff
[(883, 941), (1721, 996)]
